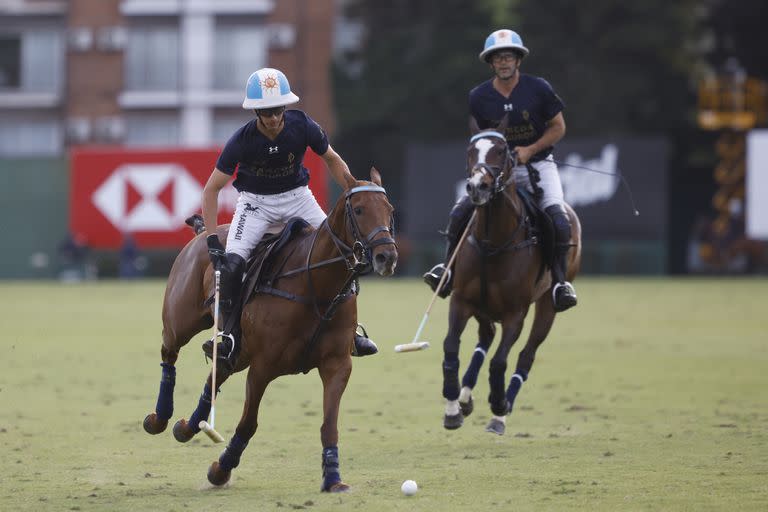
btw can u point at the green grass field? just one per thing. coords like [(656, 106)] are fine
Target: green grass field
[(651, 395)]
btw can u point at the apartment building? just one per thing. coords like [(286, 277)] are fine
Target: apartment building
[(151, 73)]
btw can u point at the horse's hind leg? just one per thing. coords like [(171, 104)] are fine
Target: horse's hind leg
[(485, 331), (220, 471), (185, 430), (542, 323), (156, 422), (335, 375)]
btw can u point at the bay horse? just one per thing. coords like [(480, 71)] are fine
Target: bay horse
[(303, 317), (497, 276)]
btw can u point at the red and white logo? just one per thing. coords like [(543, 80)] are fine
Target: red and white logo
[(148, 197), (149, 194)]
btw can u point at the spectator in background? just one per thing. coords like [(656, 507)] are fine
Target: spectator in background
[(132, 263), (73, 253)]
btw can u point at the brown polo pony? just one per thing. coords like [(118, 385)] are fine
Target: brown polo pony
[(498, 274), (304, 317)]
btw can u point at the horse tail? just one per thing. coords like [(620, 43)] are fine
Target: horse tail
[(196, 223)]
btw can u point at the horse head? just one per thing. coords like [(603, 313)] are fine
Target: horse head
[(489, 165), (369, 221)]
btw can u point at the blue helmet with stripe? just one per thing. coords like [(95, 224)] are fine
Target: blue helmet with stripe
[(503, 39), (268, 88)]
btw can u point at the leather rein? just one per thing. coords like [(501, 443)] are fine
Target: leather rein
[(357, 258)]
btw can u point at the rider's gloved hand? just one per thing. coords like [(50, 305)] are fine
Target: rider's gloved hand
[(216, 251)]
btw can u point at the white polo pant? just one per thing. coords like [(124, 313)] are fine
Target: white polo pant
[(550, 181), (255, 213)]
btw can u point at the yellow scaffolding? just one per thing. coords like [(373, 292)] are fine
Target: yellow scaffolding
[(731, 103)]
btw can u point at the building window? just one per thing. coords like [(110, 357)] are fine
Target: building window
[(22, 136), (152, 59), (152, 129), (240, 49), (10, 62), (31, 61)]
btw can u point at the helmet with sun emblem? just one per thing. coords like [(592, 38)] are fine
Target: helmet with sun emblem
[(503, 39), (268, 88)]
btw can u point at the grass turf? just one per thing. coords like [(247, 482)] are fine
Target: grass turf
[(650, 395)]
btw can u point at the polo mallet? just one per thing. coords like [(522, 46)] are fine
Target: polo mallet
[(414, 345), (206, 427)]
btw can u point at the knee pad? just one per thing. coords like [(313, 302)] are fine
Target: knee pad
[(235, 263), (561, 223), (459, 217)]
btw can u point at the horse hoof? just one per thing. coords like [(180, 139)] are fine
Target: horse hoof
[(467, 407), (337, 487), (453, 421), (496, 427), (182, 432), (154, 425), (218, 476)]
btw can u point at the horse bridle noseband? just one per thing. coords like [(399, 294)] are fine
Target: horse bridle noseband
[(495, 171), (361, 251)]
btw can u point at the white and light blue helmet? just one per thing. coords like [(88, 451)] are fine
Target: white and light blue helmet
[(503, 39), (268, 88)]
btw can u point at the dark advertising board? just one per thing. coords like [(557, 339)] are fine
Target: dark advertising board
[(436, 175)]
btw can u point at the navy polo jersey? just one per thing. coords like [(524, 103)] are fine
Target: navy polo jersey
[(267, 166), (530, 105)]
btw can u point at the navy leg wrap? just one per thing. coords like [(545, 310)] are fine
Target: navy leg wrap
[(515, 383), (230, 458), (470, 377), (164, 407), (451, 377), (202, 411), (496, 381), (330, 467)]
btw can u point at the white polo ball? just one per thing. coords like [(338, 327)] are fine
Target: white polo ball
[(409, 487)]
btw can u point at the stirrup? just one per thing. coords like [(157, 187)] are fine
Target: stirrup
[(566, 299), (432, 278), (362, 345), (225, 359)]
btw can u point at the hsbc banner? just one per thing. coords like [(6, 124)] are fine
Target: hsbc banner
[(149, 193), (436, 177)]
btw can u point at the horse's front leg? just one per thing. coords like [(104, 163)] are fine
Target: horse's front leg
[(458, 316), (512, 326), (221, 470), (185, 430), (486, 330), (335, 375)]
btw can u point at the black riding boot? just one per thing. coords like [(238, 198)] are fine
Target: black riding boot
[(363, 346), (457, 222), (563, 294), (230, 309)]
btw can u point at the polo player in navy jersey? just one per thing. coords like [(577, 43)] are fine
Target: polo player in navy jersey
[(535, 125), (268, 154)]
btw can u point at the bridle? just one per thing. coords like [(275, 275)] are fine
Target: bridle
[(501, 174), (358, 259), (359, 256)]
